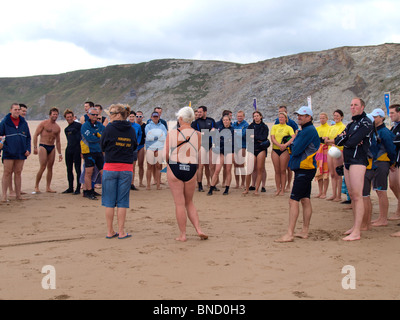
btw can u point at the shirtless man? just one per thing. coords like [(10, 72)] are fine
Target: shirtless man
[(49, 133)]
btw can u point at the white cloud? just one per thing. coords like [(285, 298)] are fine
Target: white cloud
[(45, 57), (122, 31)]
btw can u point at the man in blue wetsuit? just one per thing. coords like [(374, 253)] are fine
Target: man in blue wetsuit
[(303, 164)]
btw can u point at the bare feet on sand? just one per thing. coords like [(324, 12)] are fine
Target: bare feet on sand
[(286, 238)]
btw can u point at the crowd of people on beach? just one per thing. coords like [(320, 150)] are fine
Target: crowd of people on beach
[(102, 150)]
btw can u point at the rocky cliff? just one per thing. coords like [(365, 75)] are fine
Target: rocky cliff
[(332, 78)]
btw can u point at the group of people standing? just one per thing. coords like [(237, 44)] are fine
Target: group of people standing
[(111, 147)]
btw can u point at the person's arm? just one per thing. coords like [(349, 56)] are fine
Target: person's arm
[(358, 136), (300, 143), (387, 140), (166, 149), (38, 131), (28, 143), (58, 146)]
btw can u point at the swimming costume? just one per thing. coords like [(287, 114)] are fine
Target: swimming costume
[(48, 148), (183, 171), (278, 151)]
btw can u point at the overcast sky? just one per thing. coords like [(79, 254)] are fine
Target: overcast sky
[(51, 37)]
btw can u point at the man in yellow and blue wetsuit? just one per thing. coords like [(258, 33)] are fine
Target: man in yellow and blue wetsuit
[(304, 166)]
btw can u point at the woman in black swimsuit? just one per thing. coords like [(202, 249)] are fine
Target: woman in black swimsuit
[(182, 156), (259, 153)]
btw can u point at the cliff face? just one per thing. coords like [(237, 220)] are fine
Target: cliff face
[(332, 78)]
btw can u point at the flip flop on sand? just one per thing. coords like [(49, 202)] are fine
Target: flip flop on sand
[(127, 236), (114, 236)]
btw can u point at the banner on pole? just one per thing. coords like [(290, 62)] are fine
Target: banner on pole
[(309, 102), (387, 101), (255, 103)]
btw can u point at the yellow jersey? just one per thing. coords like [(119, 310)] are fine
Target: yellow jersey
[(335, 130), (279, 131)]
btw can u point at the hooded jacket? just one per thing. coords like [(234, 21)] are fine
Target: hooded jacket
[(18, 139), (91, 134), (387, 149), (118, 142), (304, 148)]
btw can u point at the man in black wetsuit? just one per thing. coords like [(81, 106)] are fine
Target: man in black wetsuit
[(394, 174), (356, 141), (205, 125), (73, 152)]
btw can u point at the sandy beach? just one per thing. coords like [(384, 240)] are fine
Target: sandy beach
[(240, 260)]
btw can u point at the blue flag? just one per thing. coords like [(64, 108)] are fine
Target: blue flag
[(255, 104), (387, 101)]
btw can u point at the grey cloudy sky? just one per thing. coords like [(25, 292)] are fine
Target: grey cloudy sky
[(50, 37)]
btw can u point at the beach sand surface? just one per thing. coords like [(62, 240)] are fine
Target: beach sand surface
[(240, 260)]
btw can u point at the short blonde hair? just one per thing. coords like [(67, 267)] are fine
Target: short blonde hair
[(186, 114), (124, 110), (285, 114)]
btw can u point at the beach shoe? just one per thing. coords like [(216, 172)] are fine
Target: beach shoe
[(68, 191), (114, 236), (210, 192), (252, 188), (88, 194), (263, 189), (127, 236), (226, 192)]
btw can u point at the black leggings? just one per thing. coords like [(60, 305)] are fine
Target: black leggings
[(71, 158)]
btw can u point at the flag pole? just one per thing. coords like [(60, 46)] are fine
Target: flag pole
[(255, 103)]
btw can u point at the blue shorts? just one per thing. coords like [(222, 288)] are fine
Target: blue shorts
[(116, 186)]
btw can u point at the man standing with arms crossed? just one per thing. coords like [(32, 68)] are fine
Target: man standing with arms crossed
[(91, 132), (356, 141), (49, 132), (304, 166)]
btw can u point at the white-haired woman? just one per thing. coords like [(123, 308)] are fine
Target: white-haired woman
[(182, 155)]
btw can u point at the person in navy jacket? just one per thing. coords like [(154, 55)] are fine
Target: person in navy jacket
[(16, 147)]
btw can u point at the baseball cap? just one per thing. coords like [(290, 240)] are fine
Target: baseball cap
[(304, 110), (378, 113), (155, 114)]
